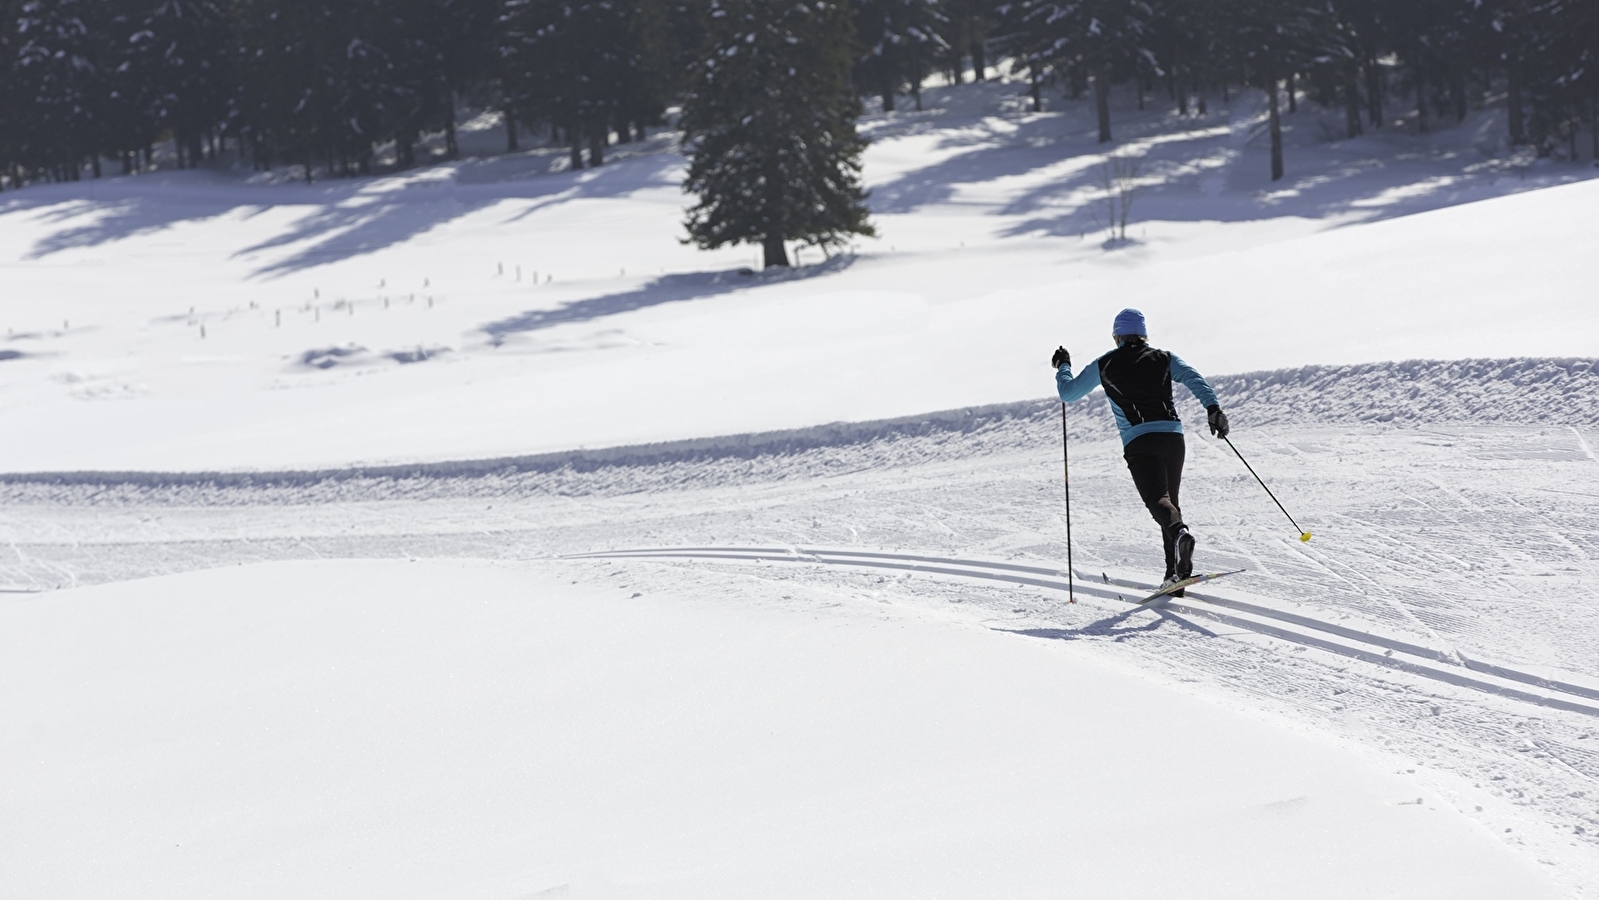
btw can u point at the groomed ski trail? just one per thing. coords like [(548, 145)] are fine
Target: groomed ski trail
[(1443, 664)]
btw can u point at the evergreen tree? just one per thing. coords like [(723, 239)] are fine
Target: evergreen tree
[(901, 45), (1102, 40), (965, 31), (769, 125), (1275, 39), (178, 51), (571, 62), (439, 48), (1186, 46), (61, 85), (1354, 42), (10, 102)]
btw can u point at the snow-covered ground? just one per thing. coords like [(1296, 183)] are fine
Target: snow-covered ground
[(313, 609), (410, 327), (459, 729)]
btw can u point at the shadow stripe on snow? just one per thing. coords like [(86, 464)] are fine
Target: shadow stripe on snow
[(1284, 625), (1518, 391)]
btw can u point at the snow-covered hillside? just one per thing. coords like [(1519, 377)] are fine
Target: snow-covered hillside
[(211, 323), (342, 559)]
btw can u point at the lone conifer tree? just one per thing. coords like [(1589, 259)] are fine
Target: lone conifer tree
[(770, 127)]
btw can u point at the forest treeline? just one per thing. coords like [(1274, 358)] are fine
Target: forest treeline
[(329, 84)]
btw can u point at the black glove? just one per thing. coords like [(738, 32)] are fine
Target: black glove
[(1061, 358), (1218, 421)]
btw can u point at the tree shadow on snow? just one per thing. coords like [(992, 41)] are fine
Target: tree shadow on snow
[(1198, 169), (376, 220), (345, 219), (675, 288)]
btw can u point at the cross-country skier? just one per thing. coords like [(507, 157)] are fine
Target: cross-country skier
[(1137, 379)]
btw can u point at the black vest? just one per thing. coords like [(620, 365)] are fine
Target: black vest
[(1137, 378)]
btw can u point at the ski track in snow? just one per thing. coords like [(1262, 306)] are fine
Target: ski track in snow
[(1468, 551)]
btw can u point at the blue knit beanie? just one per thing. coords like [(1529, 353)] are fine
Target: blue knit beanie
[(1129, 321)]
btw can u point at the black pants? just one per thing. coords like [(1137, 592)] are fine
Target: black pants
[(1156, 461)]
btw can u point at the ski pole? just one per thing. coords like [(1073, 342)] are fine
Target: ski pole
[(1303, 534), (1066, 478)]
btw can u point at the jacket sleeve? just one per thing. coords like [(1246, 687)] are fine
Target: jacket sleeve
[(1076, 388), (1183, 372)]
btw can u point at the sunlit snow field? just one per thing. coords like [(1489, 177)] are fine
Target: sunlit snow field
[(295, 475)]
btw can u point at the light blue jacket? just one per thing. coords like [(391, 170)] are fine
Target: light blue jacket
[(1079, 387)]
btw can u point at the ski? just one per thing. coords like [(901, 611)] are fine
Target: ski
[(1190, 581)]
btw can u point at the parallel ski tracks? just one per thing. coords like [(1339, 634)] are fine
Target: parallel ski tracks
[(1437, 663)]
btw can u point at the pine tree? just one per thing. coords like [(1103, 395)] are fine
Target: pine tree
[(178, 52), (571, 62), (902, 42), (769, 124), (439, 48), (1105, 40), (965, 31), (1276, 38), (61, 84), (1185, 44)]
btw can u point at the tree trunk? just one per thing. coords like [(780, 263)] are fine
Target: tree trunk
[(1593, 125), (1293, 91), (574, 134), (776, 254), (511, 145), (1421, 99), (1034, 90), (452, 149), (1518, 121), (1352, 124), (1457, 94), (1180, 86), (1276, 135), (1374, 92), (598, 139), (1102, 105), (96, 158), (979, 61)]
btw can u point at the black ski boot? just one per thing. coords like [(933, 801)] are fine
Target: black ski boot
[(1185, 555)]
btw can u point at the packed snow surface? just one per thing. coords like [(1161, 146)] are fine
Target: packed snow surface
[(460, 533), (389, 728)]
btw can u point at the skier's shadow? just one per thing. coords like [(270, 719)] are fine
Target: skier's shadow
[(1113, 627)]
